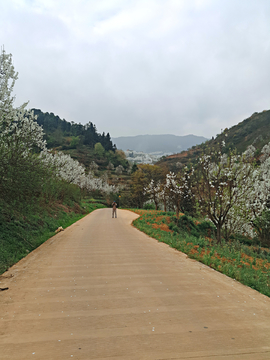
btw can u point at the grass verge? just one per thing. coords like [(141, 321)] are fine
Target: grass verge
[(21, 234), (249, 265)]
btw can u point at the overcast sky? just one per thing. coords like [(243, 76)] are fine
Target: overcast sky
[(141, 66)]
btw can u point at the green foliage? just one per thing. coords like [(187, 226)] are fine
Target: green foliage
[(206, 228), (134, 168), (149, 206), (26, 182), (22, 177), (99, 150), (137, 189), (187, 203), (191, 226), (74, 142), (262, 227)]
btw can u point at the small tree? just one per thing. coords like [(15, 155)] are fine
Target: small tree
[(134, 168), (129, 169), (153, 190), (74, 142), (175, 190), (163, 195), (187, 203), (179, 165), (110, 166), (119, 169), (99, 150), (138, 183), (93, 166)]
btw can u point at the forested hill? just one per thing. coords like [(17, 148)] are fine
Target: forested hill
[(68, 135), (254, 130)]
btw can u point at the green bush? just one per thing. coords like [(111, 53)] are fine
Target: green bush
[(262, 227), (149, 206), (193, 227)]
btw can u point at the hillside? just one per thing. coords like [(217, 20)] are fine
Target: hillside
[(79, 141), (67, 135), (254, 130), (157, 143)]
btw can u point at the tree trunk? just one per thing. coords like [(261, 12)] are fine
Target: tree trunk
[(218, 233), (177, 212), (165, 208)]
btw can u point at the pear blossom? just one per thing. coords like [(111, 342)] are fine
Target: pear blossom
[(174, 189), (73, 172), (19, 132), (64, 166), (153, 189), (119, 169), (223, 185)]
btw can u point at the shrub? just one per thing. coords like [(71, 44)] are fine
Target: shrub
[(149, 206)]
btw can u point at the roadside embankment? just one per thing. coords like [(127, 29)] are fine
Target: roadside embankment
[(21, 233)]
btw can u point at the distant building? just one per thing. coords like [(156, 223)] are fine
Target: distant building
[(139, 157)]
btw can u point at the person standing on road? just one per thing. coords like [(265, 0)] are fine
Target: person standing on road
[(114, 205)]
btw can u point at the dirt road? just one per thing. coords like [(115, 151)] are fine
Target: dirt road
[(103, 290)]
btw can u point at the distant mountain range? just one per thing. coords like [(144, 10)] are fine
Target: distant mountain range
[(157, 143)]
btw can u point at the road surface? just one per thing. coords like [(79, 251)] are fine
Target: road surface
[(101, 289)]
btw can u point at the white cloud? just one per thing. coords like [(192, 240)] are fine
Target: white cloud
[(135, 67)]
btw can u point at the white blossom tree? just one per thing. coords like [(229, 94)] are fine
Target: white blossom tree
[(20, 137), (179, 190), (174, 189), (223, 184), (73, 172), (64, 167), (100, 184), (246, 216), (119, 169), (163, 194), (93, 166), (110, 166), (257, 202), (153, 190), (8, 76), (18, 128)]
